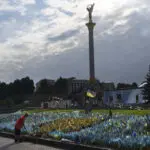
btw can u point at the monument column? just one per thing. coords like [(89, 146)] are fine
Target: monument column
[(90, 26)]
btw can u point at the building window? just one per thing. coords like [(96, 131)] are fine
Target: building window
[(137, 98), (119, 97), (110, 99)]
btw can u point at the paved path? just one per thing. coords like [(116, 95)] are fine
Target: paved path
[(8, 144)]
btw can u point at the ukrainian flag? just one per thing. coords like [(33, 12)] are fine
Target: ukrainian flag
[(90, 94)]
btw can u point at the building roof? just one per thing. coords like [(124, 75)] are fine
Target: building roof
[(125, 89), (108, 86), (142, 84)]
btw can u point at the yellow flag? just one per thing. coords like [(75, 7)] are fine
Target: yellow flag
[(91, 94)]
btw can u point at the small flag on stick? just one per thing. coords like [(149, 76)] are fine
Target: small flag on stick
[(91, 94)]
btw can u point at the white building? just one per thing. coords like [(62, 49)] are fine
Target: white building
[(57, 104), (127, 96)]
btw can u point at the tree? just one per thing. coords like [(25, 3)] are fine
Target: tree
[(19, 89), (9, 102), (107, 86), (10, 89), (3, 90), (23, 86), (146, 89), (15, 92), (27, 85), (134, 85), (126, 86), (45, 88), (61, 86)]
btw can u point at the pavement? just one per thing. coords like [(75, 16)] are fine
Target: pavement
[(8, 144)]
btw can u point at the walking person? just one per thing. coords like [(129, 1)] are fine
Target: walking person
[(18, 126)]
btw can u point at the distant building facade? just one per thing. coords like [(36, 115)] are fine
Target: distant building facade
[(124, 96), (75, 86), (131, 96)]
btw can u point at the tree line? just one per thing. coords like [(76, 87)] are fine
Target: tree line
[(126, 86), (146, 89), (60, 87), (15, 92)]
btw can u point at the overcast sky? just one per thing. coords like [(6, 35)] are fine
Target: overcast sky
[(48, 39)]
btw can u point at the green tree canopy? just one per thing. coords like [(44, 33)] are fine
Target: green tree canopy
[(146, 90), (126, 86), (3, 90), (45, 88), (16, 90), (61, 86)]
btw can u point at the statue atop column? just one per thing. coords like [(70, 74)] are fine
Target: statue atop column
[(92, 82), (90, 10)]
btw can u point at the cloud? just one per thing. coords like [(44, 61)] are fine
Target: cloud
[(15, 6), (39, 36), (64, 36), (69, 13)]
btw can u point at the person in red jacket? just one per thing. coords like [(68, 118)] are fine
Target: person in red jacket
[(18, 126)]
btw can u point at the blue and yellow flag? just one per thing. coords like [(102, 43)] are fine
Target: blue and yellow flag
[(91, 94)]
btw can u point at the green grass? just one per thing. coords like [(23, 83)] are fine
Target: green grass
[(126, 112), (48, 110), (117, 111)]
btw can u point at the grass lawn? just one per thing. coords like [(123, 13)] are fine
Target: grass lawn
[(116, 111), (126, 112)]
